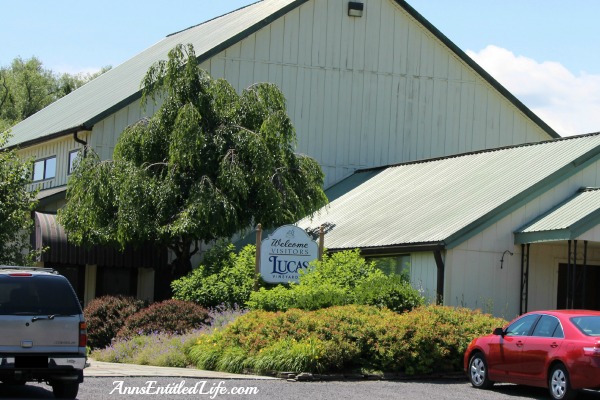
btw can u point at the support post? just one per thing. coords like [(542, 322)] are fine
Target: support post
[(527, 278), (567, 304), (321, 242), (585, 247), (522, 293), (574, 283), (257, 259)]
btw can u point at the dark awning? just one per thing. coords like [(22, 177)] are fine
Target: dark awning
[(51, 235)]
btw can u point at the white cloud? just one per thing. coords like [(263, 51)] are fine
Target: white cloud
[(73, 69), (569, 103)]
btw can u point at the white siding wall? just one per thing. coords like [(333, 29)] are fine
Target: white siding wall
[(423, 275), (374, 90), (60, 148), (362, 92), (473, 274), (107, 132)]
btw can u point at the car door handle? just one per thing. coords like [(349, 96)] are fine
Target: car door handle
[(519, 344), (554, 345)]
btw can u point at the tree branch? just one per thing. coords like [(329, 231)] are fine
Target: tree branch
[(6, 89)]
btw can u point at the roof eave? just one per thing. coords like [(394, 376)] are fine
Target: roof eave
[(394, 249)]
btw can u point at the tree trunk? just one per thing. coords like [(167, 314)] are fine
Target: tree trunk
[(180, 266)]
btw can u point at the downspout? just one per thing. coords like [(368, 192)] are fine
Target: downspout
[(82, 142), (437, 254)]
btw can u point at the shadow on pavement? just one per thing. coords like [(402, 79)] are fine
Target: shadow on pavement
[(25, 392)]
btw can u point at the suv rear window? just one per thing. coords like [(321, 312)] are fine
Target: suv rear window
[(37, 294)]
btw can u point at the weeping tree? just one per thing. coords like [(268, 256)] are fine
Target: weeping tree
[(209, 163), (16, 205)]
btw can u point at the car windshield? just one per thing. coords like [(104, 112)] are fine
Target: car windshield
[(37, 295), (589, 325)]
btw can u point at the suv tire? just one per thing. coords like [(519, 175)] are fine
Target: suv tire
[(65, 390)]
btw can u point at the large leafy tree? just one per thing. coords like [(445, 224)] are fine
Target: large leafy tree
[(16, 204), (26, 87), (209, 163)]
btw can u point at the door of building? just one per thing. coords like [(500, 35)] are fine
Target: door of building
[(586, 294)]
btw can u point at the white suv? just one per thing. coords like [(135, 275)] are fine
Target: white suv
[(43, 334)]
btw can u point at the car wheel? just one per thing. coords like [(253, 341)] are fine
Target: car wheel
[(65, 390), (559, 385), (478, 372)]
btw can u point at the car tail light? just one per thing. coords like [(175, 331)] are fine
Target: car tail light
[(82, 334), (20, 274), (592, 350)]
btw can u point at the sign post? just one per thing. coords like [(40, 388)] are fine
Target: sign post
[(257, 257)]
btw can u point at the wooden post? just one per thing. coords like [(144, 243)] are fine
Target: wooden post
[(257, 259), (321, 242)]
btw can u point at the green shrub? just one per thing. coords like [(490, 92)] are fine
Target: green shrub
[(105, 316), (223, 278), (436, 337), (169, 316), (425, 340), (393, 292), (341, 278)]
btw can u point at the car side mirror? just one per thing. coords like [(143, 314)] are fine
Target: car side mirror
[(499, 332)]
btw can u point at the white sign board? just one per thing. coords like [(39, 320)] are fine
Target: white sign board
[(285, 252)]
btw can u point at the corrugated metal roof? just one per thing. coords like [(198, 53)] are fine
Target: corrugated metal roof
[(566, 221), (84, 107), (449, 199)]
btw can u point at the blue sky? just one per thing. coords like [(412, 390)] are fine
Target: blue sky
[(547, 52)]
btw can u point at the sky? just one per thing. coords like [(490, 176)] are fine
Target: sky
[(546, 52)]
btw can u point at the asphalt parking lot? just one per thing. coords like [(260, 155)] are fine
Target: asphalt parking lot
[(114, 381)]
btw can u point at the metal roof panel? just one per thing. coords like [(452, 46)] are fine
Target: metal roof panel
[(436, 200), (82, 108)]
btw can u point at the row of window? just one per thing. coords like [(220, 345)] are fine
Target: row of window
[(46, 168)]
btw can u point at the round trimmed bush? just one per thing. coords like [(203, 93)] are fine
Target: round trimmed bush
[(169, 316), (105, 316)]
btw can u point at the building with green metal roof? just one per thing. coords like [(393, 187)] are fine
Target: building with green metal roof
[(364, 89), (494, 228)]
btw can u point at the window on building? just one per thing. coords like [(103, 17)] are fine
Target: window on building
[(73, 155), (44, 169), (393, 265)]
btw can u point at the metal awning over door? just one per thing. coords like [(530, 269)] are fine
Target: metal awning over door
[(51, 235)]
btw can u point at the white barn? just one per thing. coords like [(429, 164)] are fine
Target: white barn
[(365, 88)]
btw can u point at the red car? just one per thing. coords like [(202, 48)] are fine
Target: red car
[(559, 350)]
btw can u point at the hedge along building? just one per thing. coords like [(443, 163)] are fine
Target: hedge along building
[(494, 229), (367, 84)]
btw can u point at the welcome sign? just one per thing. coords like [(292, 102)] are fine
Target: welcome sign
[(284, 253)]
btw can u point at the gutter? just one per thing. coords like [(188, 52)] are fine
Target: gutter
[(55, 135), (82, 142)]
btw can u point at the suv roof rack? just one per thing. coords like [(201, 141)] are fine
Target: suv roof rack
[(20, 268)]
